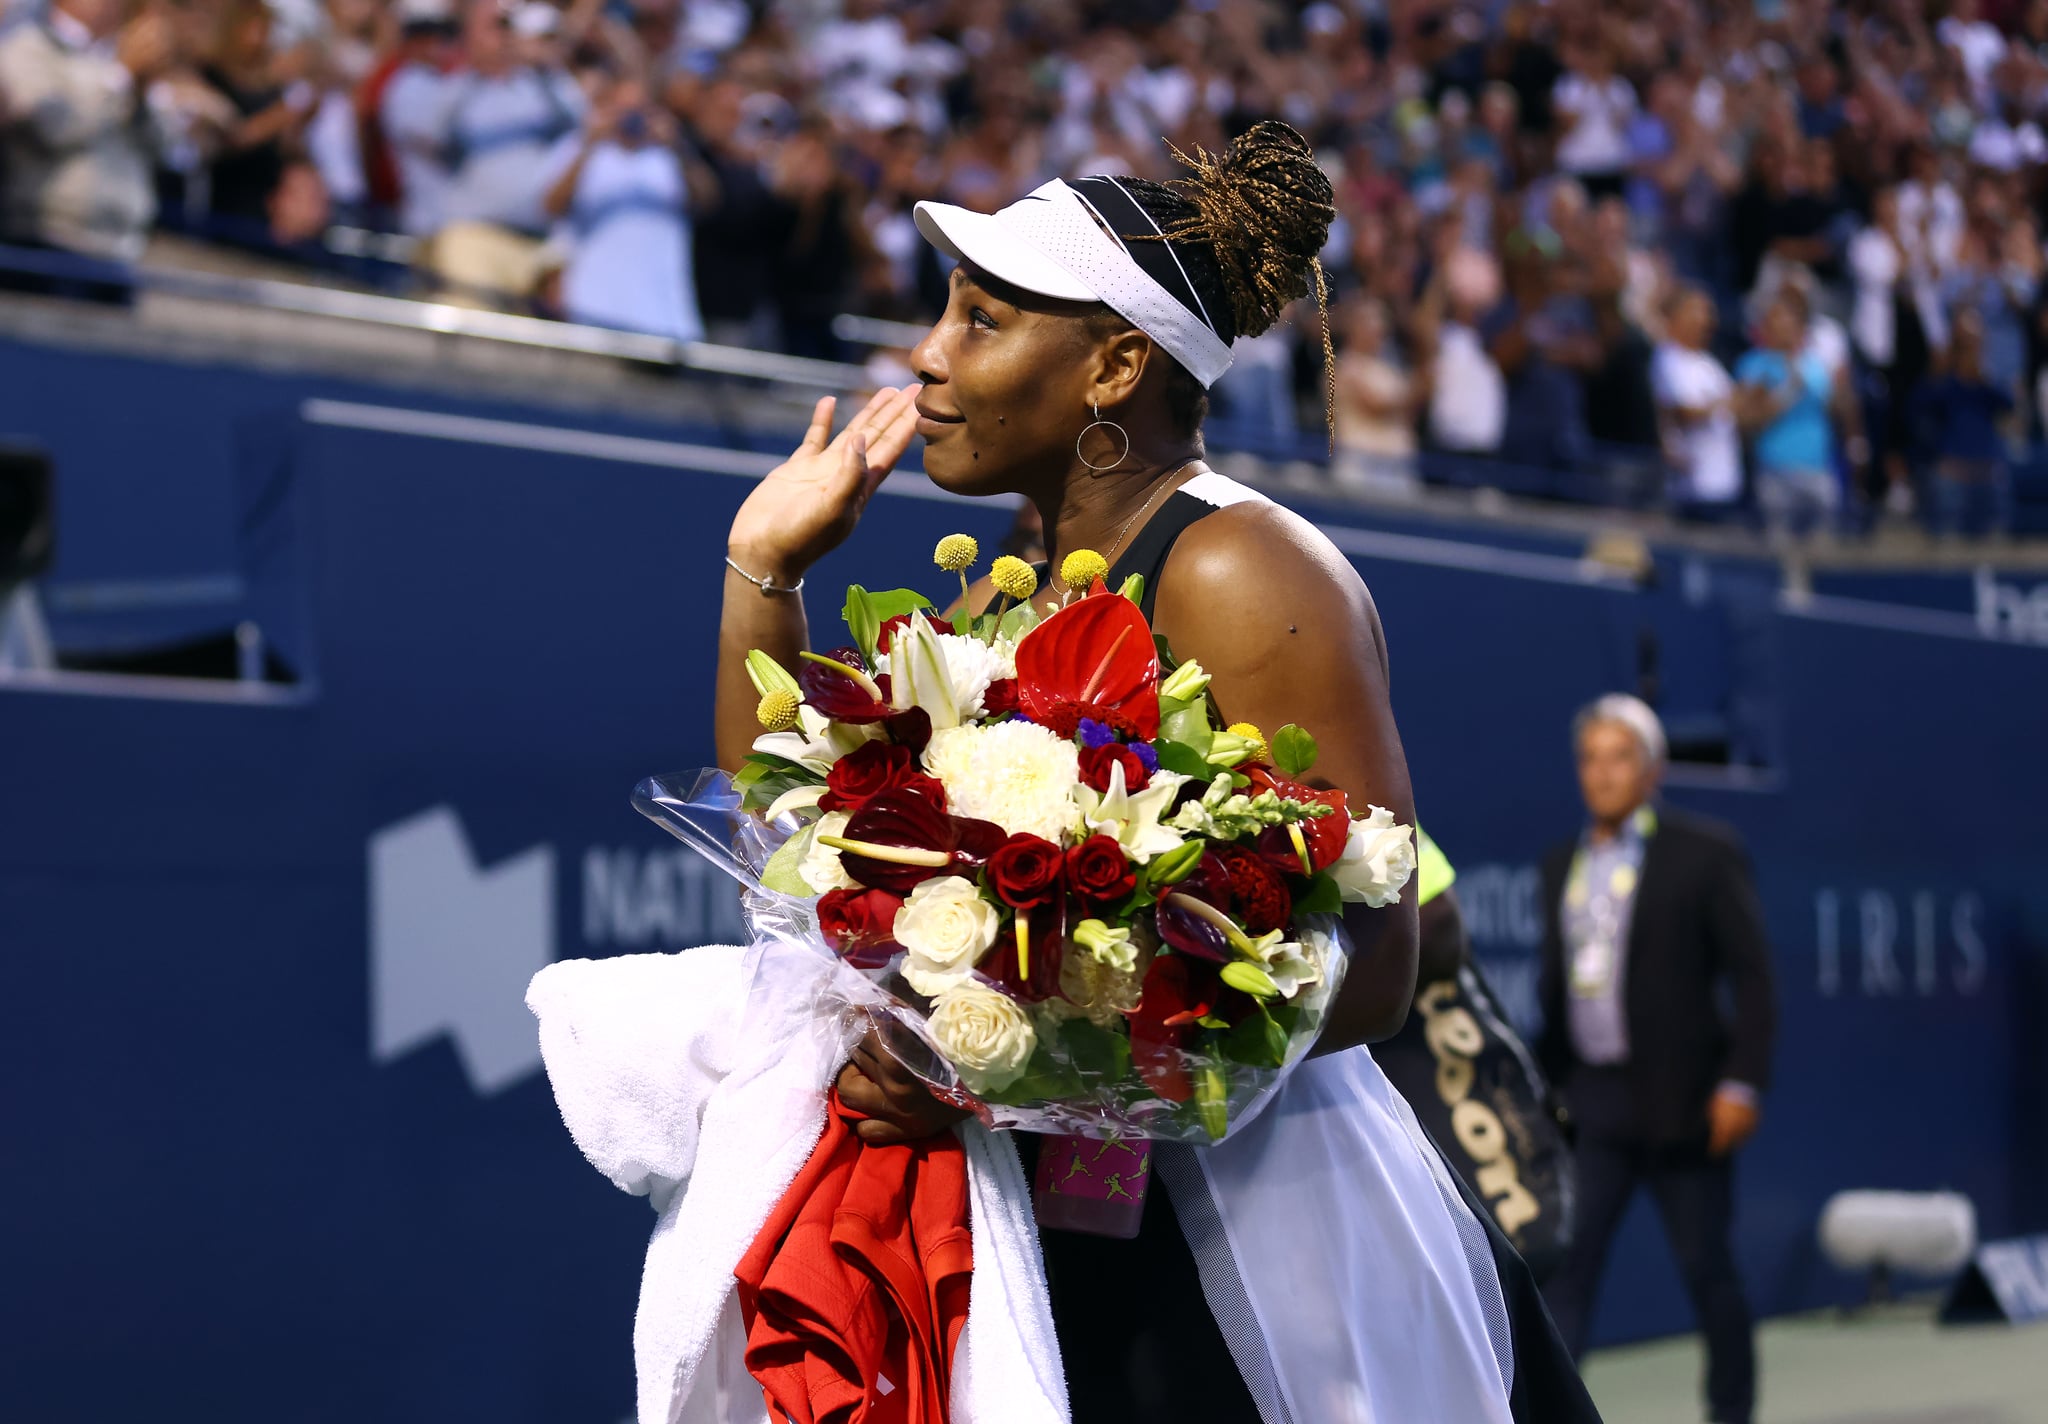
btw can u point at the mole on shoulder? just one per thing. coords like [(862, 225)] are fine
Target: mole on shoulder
[(1290, 627)]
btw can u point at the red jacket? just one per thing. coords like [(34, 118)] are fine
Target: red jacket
[(855, 1291)]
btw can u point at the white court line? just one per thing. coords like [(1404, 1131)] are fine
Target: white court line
[(1891, 617), (1480, 558), (591, 444)]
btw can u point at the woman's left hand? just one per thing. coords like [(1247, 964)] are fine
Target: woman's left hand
[(898, 1107)]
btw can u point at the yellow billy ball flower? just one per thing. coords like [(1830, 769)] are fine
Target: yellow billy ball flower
[(956, 552), (1254, 736), (777, 711), (1080, 569), (1013, 578)]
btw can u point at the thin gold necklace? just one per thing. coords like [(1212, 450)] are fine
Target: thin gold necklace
[(1118, 547)]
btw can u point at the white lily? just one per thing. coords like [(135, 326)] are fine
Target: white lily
[(1291, 967), (1132, 820), (818, 742), (797, 798), (919, 675)]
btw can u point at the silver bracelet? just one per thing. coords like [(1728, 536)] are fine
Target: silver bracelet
[(765, 585)]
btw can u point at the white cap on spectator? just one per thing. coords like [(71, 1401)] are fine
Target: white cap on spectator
[(426, 12), (1071, 242), (535, 20)]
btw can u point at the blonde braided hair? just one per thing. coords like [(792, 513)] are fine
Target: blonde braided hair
[(1261, 211)]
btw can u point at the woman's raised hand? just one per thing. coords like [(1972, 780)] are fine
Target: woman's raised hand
[(809, 503)]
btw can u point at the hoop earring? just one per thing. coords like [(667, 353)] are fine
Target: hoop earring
[(1121, 457)]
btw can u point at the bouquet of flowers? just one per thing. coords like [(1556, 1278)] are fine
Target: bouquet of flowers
[(1088, 907)]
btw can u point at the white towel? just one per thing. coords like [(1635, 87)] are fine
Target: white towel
[(698, 1080)]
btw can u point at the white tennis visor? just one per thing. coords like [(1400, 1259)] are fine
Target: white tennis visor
[(1069, 242)]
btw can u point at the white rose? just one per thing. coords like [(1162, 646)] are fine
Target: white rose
[(1378, 858), (984, 1034), (947, 927), (821, 868)]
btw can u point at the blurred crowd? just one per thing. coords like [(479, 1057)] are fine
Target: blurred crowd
[(1772, 259)]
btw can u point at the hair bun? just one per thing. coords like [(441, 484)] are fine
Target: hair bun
[(1264, 208)]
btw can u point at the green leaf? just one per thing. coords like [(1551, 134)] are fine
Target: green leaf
[(1258, 1042), (963, 620), (1321, 896), (1045, 1076), (767, 790), (895, 602), (861, 621), (1134, 588), (1017, 622), (779, 874), (1101, 1055), (1187, 724), (1183, 759), (1167, 661), (1294, 751)]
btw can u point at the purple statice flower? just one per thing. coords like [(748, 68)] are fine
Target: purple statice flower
[(1095, 734), (1146, 756)]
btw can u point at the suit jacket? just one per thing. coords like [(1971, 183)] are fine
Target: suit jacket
[(1696, 927)]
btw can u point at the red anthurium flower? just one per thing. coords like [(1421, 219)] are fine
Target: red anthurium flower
[(1189, 932), (840, 696), (1026, 871), (872, 768), (861, 925), (1324, 836), (1045, 945), (914, 840), (1093, 658), (1177, 993)]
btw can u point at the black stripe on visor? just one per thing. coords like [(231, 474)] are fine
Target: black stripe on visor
[(1126, 221)]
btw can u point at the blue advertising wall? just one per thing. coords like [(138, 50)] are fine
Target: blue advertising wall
[(280, 1145)]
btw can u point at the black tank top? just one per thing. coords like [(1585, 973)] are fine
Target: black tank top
[(1193, 502), (1137, 1338)]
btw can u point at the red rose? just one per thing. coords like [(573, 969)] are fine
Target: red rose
[(1096, 762), (1257, 893), (1001, 698), (885, 636), (1097, 870), (1026, 871), (860, 924), (872, 768)]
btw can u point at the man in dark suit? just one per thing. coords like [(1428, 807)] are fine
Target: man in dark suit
[(1650, 914)]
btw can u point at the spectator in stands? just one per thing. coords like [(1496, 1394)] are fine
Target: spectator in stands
[(1787, 402), (78, 129), (1649, 916), (823, 244), (1890, 349), (1594, 108), (1543, 340), (621, 192), (269, 102), (1467, 393), (1377, 402), (400, 103), (1961, 407), (1696, 411), (740, 234), (501, 115)]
